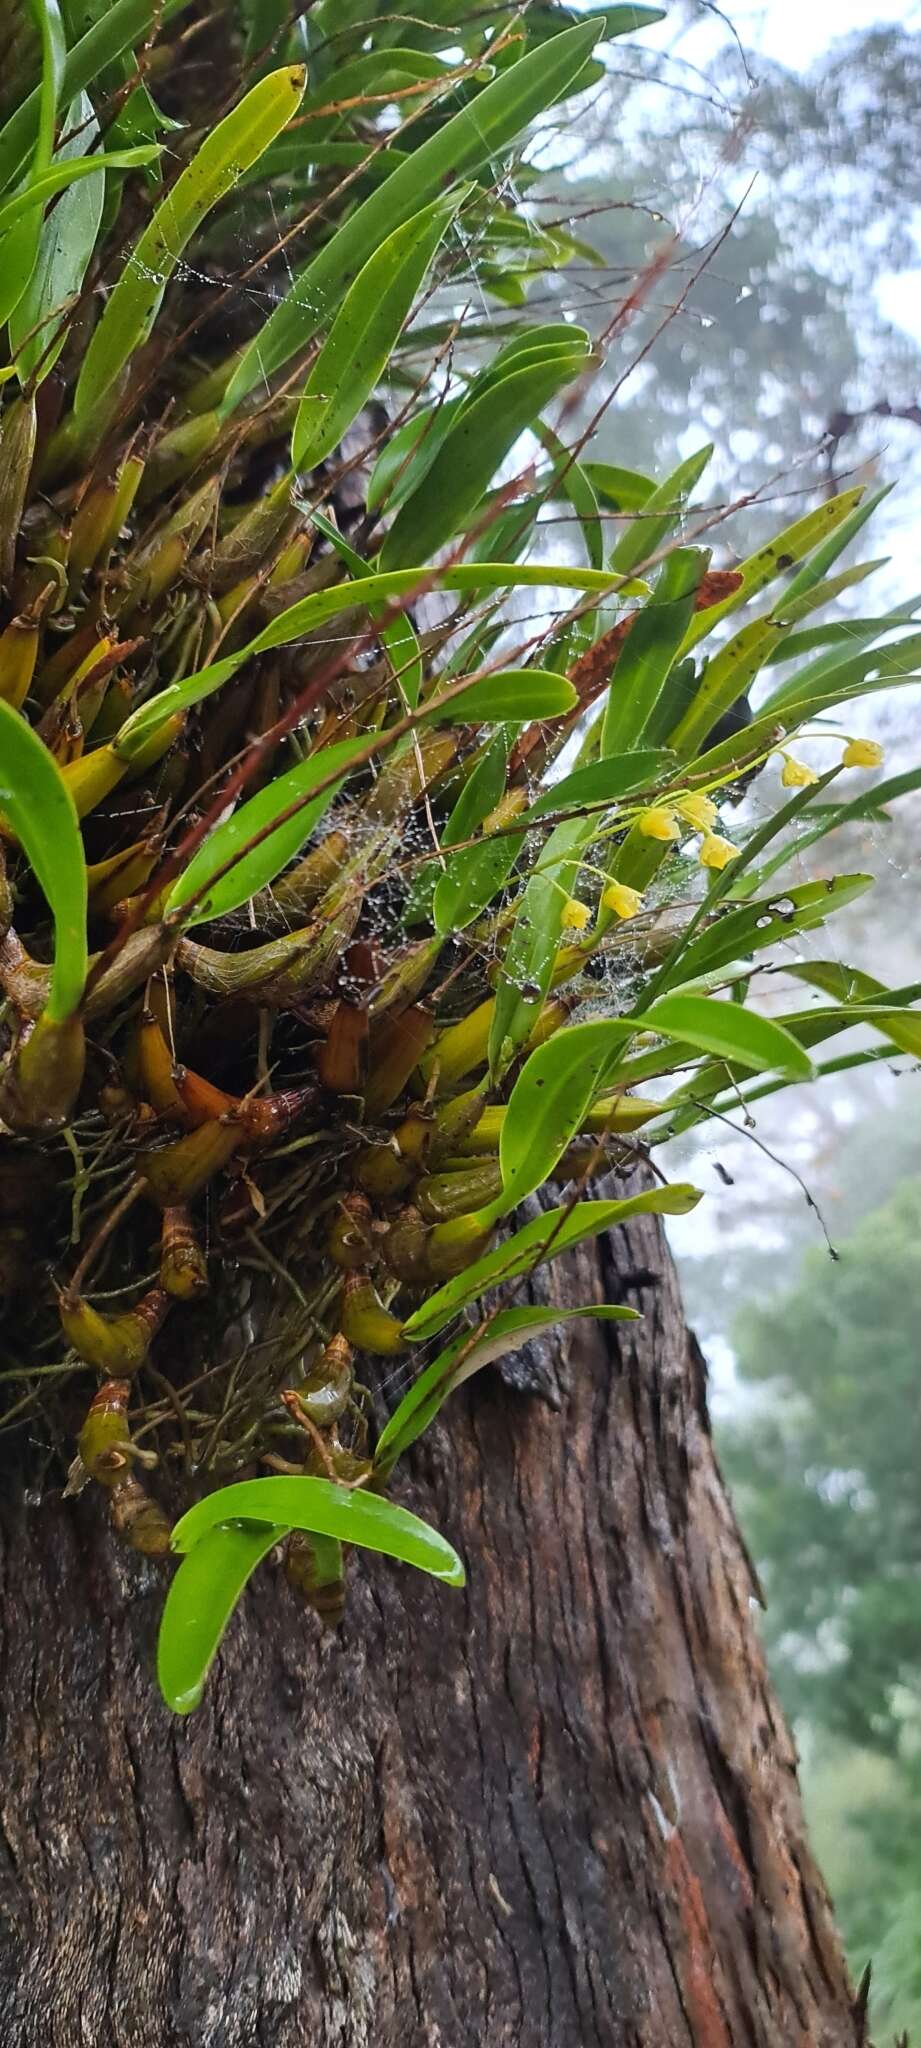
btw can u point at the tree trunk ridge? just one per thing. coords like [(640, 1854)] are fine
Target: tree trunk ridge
[(558, 1809)]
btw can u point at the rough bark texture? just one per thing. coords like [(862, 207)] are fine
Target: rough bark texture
[(559, 1808)]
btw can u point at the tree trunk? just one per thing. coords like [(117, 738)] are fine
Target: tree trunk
[(559, 1808)]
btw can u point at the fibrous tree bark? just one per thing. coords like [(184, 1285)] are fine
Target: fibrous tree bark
[(558, 1808)]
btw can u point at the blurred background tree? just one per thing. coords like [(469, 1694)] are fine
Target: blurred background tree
[(782, 342), (825, 1452)]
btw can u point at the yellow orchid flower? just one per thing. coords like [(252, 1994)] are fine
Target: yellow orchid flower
[(796, 775), (863, 754), (659, 822), (624, 902), (575, 915), (716, 852), (697, 810)]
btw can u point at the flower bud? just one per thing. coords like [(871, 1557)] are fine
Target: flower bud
[(796, 775), (576, 915), (697, 810)]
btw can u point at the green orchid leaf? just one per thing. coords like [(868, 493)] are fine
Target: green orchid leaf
[(871, 804), (66, 243), (661, 510), (603, 782), (131, 309), (476, 445), (776, 557), (534, 939), (121, 27), (735, 934), (365, 331), (324, 1509), (398, 636), (61, 176), (518, 694), (570, 479), (493, 118), (37, 805), (472, 877), (729, 1030), (199, 1605), (545, 1237), (625, 490), (468, 1354), (550, 1100), (21, 218), (650, 650), (255, 865), (314, 611)]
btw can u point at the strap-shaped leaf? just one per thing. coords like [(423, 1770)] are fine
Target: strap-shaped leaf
[(532, 947), (479, 439), (324, 1509), (398, 636), (871, 804), (36, 803), (466, 1355), (550, 1100), (730, 1031), (737, 933), (365, 331), (130, 312), (60, 176), (662, 510), (519, 694), (255, 865), (199, 1605), (603, 782), (776, 557), (650, 650), (545, 1237), (121, 27), (226, 1535), (21, 218), (472, 876), (323, 605), (66, 243), (493, 118)]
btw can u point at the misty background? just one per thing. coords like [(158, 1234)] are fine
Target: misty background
[(797, 352)]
